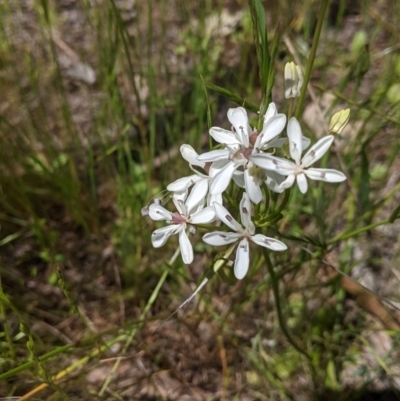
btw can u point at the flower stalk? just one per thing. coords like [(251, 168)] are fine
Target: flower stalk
[(311, 57)]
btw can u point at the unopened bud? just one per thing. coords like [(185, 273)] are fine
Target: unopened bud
[(294, 78), (339, 121), (145, 211)]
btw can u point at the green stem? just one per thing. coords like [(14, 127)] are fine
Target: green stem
[(344, 236), (359, 105), (210, 227), (290, 111), (311, 58), (267, 199), (27, 365), (284, 202), (275, 289)]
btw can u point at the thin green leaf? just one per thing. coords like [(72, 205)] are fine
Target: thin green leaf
[(230, 95), (257, 12), (364, 186), (395, 214)]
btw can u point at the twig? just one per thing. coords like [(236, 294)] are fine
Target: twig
[(364, 298)]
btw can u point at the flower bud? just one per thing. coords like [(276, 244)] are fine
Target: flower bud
[(294, 78), (339, 121)]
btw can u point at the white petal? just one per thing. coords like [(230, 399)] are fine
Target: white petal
[(242, 259), (274, 180), (219, 238), (227, 218), (190, 155), (214, 198), (180, 196), (273, 163), (317, 151), (305, 142), (197, 194), (186, 248), (271, 111), (238, 118), (295, 144), (288, 182), (291, 80), (214, 155), (252, 188), (157, 212), (245, 213), (180, 206), (268, 242), (160, 236), (275, 143), (272, 128), (204, 216), (197, 208), (222, 179), (217, 166), (325, 174), (279, 142), (181, 184), (302, 183), (238, 177), (223, 136)]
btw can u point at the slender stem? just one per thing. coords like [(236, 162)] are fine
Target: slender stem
[(290, 111), (311, 58), (343, 236), (284, 202), (275, 289), (29, 364), (267, 198)]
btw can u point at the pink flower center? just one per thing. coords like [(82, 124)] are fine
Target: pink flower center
[(253, 138), (246, 152), (178, 218), (207, 167)]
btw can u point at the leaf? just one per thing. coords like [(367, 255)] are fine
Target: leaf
[(331, 380), (261, 22), (364, 186), (10, 238), (395, 214), (314, 240), (207, 101), (257, 12), (230, 95)]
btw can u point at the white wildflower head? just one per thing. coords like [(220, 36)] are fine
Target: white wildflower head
[(188, 213), (240, 143), (245, 156), (241, 234), (299, 169)]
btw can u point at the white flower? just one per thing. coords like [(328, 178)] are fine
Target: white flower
[(294, 78), (299, 169), (181, 186), (239, 145), (187, 213), (241, 234)]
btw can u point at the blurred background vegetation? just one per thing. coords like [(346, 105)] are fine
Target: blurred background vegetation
[(96, 96)]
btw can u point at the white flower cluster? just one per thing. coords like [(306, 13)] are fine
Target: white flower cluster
[(244, 158)]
